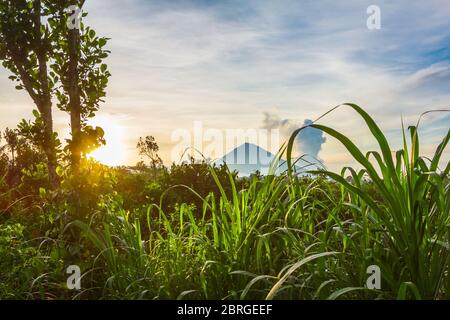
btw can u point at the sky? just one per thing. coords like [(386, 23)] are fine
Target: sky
[(264, 65)]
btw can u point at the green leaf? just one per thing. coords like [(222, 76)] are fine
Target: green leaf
[(343, 291), (42, 192), (59, 171), (293, 268), (36, 113), (402, 291)]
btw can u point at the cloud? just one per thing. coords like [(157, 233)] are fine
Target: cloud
[(226, 62), (436, 70), (308, 142)]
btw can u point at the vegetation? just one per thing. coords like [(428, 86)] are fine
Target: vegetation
[(199, 231), (195, 230), (55, 62)]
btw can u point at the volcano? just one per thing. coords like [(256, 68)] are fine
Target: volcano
[(249, 158)]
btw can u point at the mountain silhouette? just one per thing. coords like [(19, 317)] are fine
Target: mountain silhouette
[(249, 158)]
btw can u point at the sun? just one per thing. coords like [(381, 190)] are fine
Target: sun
[(114, 153)]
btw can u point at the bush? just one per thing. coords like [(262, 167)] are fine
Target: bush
[(26, 271)]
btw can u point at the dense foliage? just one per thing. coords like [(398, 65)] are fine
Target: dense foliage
[(199, 231)]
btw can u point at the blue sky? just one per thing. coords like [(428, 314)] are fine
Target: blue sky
[(228, 63)]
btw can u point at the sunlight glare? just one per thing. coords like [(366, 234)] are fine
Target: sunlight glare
[(114, 152)]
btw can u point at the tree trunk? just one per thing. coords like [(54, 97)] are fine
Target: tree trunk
[(74, 96), (45, 101), (49, 144)]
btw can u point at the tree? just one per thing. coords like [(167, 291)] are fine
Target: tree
[(19, 153), (50, 59), (3, 163), (149, 148), (25, 48), (12, 141), (78, 64)]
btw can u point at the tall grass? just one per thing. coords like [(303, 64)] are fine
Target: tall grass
[(414, 213), (290, 236)]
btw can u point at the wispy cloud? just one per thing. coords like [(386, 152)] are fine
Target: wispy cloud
[(228, 62), (430, 73)]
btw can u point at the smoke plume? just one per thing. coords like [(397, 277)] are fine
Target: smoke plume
[(309, 141)]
